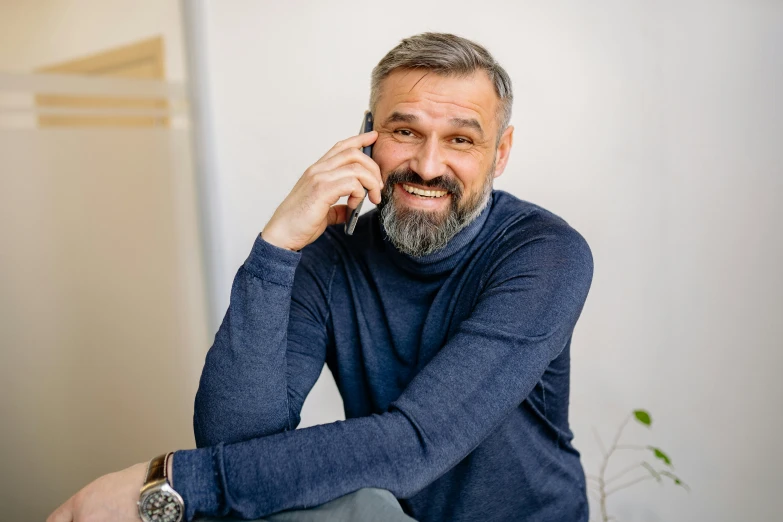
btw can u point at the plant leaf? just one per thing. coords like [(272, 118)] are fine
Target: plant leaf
[(660, 455), (676, 480), (643, 417)]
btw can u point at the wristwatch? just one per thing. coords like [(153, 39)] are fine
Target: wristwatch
[(158, 502)]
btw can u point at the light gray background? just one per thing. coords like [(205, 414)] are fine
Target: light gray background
[(654, 128)]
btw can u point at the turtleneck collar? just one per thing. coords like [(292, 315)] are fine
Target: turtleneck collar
[(444, 259)]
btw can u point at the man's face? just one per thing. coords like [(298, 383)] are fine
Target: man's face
[(440, 135)]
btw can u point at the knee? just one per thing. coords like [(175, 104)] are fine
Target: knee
[(375, 495), (375, 492)]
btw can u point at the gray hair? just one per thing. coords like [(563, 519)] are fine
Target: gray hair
[(447, 55)]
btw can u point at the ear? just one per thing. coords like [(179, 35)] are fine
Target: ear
[(504, 150)]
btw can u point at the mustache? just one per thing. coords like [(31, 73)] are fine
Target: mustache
[(406, 175)]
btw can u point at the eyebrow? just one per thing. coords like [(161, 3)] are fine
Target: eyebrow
[(470, 123)]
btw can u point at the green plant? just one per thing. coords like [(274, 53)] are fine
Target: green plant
[(602, 487)]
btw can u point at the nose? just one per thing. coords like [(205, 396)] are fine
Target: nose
[(428, 161)]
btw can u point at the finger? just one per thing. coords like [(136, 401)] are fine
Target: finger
[(345, 181), (356, 196), (337, 214), (347, 157), (354, 142)]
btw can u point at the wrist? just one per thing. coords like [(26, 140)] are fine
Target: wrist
[(270, 237), (158, 500)]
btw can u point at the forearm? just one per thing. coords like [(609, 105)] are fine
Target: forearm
[(255, 478), (243, 391)]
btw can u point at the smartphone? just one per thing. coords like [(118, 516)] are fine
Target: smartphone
[(350, 224)]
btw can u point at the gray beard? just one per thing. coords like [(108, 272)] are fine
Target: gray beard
[(419, 233)]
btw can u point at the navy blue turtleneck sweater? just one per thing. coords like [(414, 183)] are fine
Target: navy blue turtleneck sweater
[(453, 368)]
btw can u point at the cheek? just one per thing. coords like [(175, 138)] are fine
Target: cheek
[(389, 154), (469, 171)]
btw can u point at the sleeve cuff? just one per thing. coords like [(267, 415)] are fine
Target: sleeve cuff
[(196, 477), (271, 263)]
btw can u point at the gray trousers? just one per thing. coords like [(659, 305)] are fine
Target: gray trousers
[(365, 505)]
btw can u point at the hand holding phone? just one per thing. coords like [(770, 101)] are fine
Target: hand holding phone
[(345, 170)]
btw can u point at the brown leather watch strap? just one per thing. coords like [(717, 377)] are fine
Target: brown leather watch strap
[(157, 468)]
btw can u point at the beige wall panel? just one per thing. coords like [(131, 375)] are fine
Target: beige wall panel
[(101, 307)]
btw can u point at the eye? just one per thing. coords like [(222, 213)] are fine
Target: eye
[(462, 141), (403, 132)]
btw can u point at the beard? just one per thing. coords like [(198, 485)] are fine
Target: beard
[(418, 232)]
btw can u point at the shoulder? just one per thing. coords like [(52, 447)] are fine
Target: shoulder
[(526, 236), (517, 222)]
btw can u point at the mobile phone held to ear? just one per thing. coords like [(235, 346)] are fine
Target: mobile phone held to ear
[(350, 224)]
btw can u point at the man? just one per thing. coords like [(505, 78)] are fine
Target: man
[(446, 320)]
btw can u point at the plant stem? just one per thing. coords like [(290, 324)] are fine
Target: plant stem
[(600, 442), (628, 484), (607, 454), (623, 472)]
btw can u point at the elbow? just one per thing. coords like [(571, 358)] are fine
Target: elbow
[(204, 431), (217, 420), (212, 421)]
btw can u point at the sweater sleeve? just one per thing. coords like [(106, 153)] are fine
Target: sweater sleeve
[(530, 301), (255, 375)]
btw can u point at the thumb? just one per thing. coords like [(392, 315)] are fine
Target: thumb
[(338, 214)]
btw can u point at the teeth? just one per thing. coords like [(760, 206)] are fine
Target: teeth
[(427, 193)]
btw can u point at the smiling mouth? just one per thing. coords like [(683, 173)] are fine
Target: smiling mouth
[(433, 194)]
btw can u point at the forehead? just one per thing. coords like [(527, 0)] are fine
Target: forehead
[(439, 97)]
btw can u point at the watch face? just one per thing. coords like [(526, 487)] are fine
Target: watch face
[(162, 506)]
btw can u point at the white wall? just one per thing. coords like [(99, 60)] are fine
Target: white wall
[(653, 128)]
